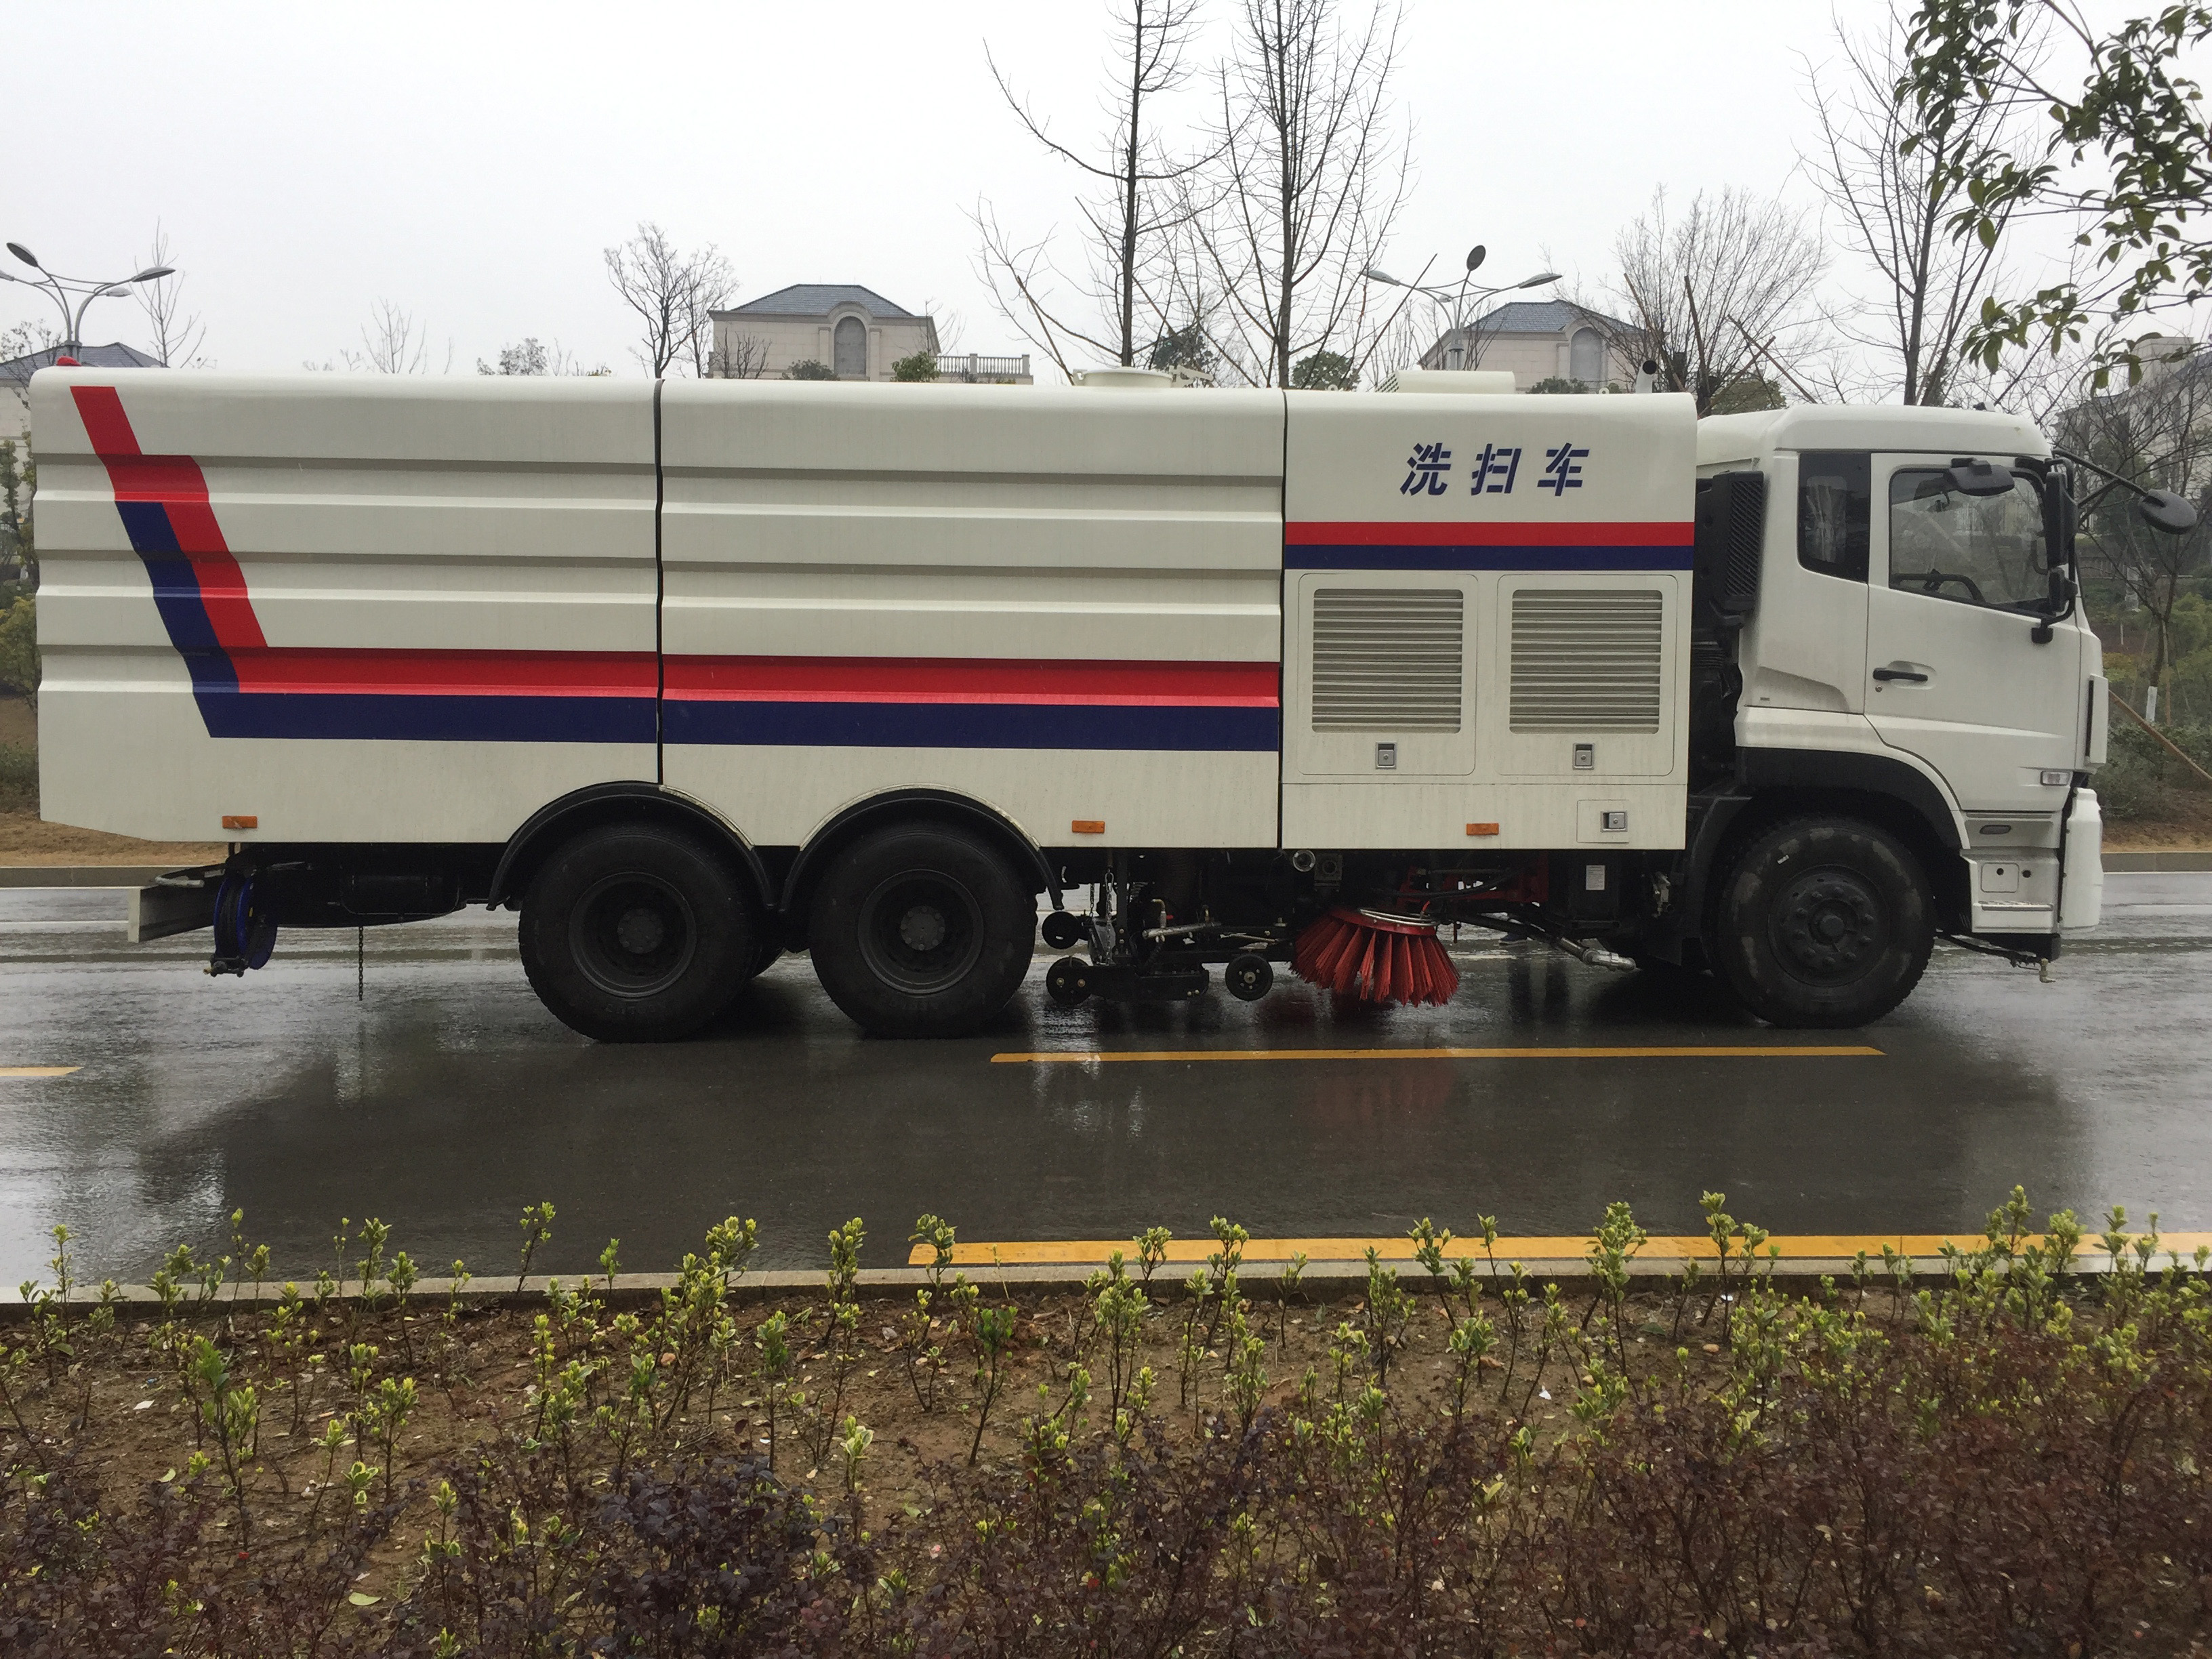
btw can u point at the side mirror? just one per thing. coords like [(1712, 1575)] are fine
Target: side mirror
[(1976, 479), (2166, 512)]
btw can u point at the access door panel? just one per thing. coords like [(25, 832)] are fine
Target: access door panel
[(1382, 676)]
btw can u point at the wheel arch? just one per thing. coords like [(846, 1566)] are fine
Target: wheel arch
[(1888, 793), (910, 806), (601, 803)]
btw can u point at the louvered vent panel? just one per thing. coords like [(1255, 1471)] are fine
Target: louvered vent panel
[(1586, 660), (1388, 658)]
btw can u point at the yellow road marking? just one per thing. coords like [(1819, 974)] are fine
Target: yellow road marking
[(1737, 1051), (38, 1071), (1807, 1247)]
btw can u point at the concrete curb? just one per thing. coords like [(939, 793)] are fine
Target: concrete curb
[(2116, 863), (1259, 1283), (82, 875)]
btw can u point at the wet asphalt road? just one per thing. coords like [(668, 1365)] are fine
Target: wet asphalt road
[(448, 1099)]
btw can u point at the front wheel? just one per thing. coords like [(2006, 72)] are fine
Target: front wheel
[(921, 930), (637, 933), (1824, 922)]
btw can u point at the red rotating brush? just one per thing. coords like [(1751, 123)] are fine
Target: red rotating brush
[(1375, 958)]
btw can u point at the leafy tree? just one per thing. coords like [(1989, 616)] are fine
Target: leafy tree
[(1748, 393), (528, 357), (1183, 348), (1557, 383), (1325, 371), (19, 481), (921, 366), (2128, 155), (19, 649), (810, 368)]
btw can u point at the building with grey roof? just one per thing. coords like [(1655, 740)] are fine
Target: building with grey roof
[(851, 330), (16, 378), (1539, 340)]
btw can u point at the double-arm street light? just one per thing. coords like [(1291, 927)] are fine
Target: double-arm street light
[(1456, 298), (60, 290)]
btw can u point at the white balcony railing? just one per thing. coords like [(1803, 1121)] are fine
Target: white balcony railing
[(958, 366)]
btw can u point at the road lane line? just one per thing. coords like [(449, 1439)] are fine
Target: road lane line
[(1089, 1056), (38, 1071), (1802, 1247)]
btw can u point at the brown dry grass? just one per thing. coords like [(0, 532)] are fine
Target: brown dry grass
[(26, 838)]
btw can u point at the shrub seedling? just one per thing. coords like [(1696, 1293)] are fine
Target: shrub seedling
[(536, 1228)]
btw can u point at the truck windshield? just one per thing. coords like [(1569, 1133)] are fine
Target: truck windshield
[(1980, 550)]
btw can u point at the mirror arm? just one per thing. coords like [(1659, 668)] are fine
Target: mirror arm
[(2086, 507), (2112, 480)]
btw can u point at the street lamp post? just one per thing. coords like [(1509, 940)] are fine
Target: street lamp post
[(60, 288), (1457, 298)]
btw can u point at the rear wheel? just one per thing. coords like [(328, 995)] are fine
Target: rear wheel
[(921, 930), (1824, 922), (637, 933)]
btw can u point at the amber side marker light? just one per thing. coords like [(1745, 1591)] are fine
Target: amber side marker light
[(1481, 829), (241, 821), (1088, 826)]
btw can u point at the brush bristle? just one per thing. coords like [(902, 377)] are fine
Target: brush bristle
[(1355, 956)]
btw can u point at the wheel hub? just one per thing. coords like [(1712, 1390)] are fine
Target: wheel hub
[(922, 931), (923, 928), (633, 935), (1830, 925), (640, 932)]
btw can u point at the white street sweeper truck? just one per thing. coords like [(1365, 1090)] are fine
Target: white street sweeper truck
[(695, 673)]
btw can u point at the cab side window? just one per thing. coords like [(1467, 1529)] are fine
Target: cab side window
[(1835, 501), (1976, 549)]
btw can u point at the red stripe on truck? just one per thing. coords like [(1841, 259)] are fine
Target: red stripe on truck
[(175, 483)]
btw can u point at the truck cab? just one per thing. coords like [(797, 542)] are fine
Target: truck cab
[(1915, 650)]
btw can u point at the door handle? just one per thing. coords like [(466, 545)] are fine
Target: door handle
[(1910, 676)]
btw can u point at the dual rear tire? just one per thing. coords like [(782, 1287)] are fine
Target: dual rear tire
[(646, 932), (921, 930), (639, 932)]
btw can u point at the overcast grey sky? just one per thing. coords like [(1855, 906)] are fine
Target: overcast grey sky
[(470, 161)]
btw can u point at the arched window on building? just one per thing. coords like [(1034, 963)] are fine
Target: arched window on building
[(850, 349), (1586, 356)]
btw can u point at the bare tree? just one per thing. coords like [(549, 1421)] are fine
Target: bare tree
[(177, 336), (1130, 202), (2159, 434), (1307, 181), (392, 343), (1895, 184), (672, 293), (738, 357), (1722, 294)]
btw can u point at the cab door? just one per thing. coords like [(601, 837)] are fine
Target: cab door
[(1957, 583)]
